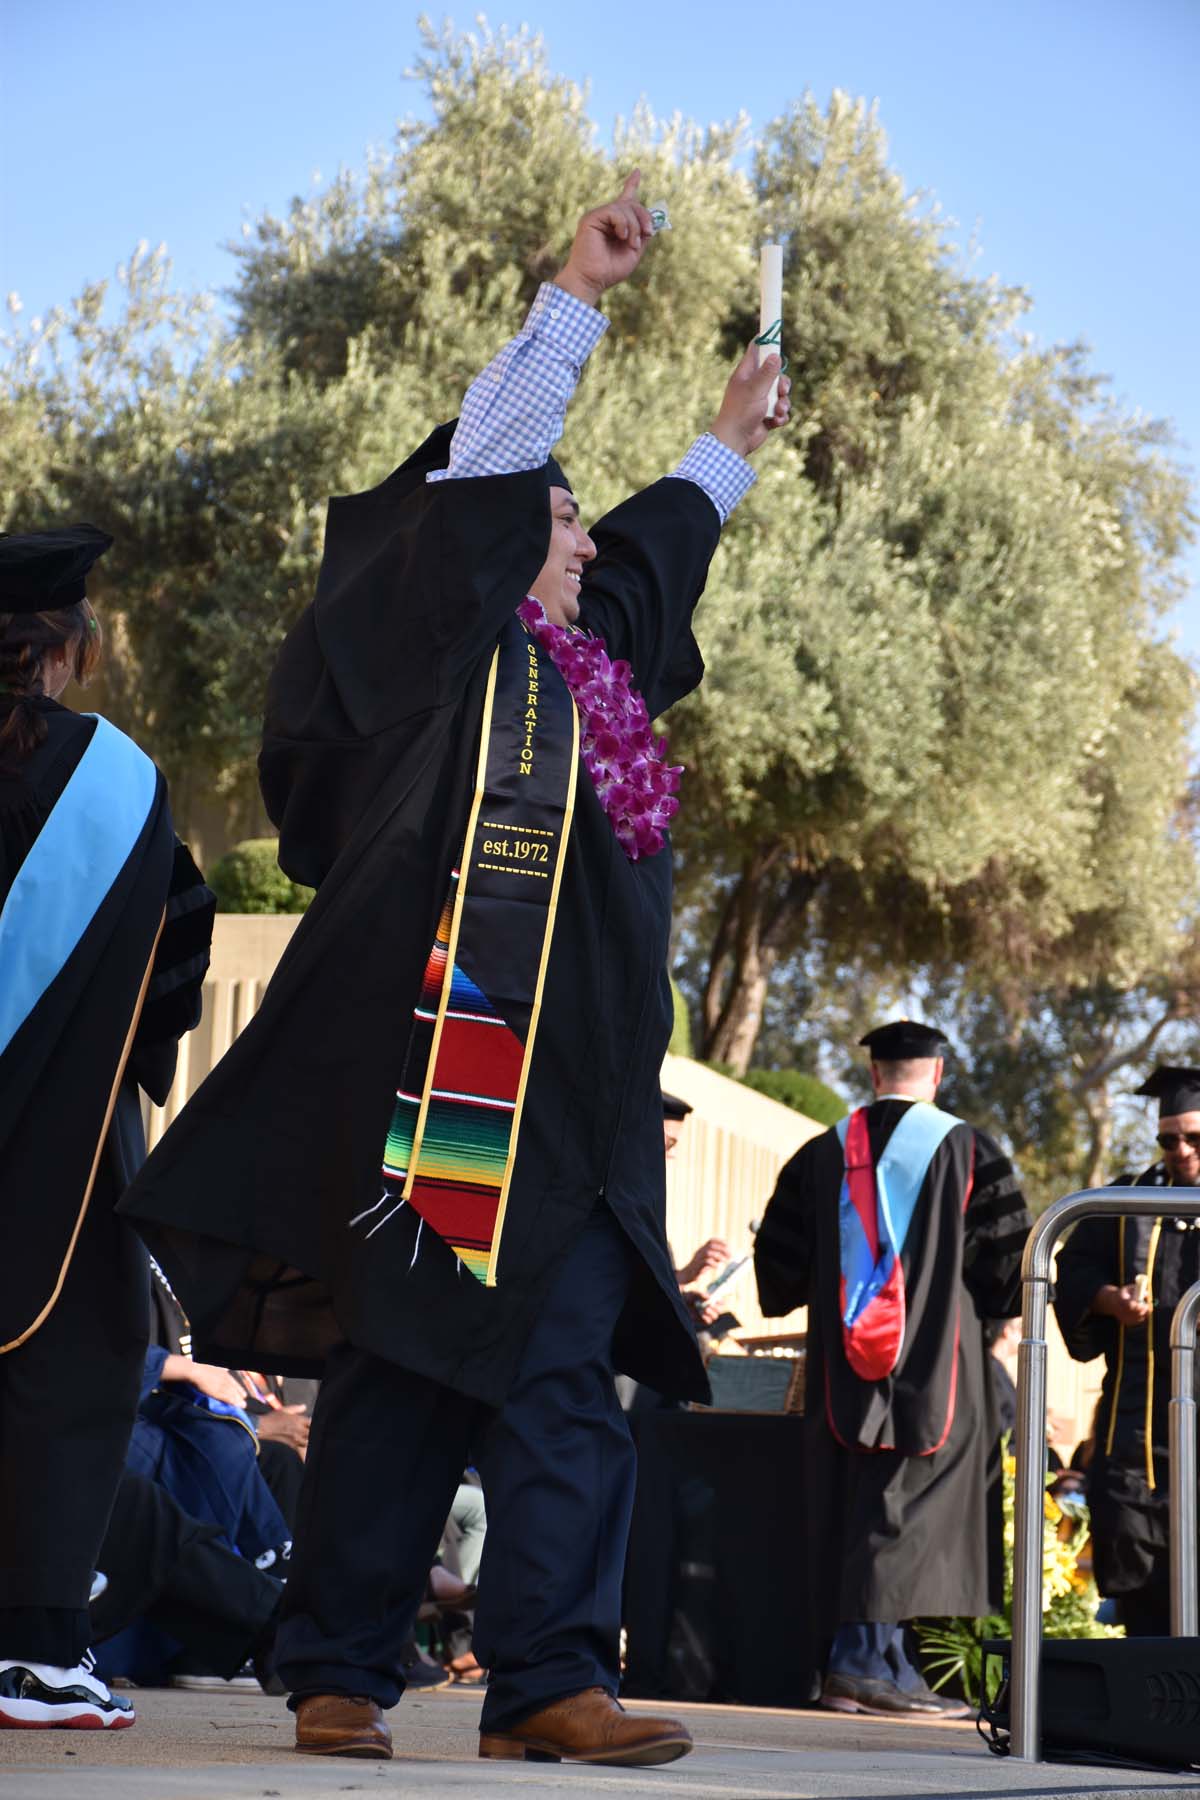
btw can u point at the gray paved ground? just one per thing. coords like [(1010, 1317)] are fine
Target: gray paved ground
[(190, 1746)]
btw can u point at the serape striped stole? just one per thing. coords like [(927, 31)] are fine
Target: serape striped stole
[(452, 1143)]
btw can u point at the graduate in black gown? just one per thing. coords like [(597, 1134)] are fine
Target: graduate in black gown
[(901, 1230), (104, 931), (466, 1231), (1117, 1285)]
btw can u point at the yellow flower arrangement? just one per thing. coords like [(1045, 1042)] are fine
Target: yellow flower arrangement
[(952, 1648)]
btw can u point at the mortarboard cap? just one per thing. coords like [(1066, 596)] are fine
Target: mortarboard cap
[(554, 470), (674, 1107), (41, 571), (903, 1039), (1176, 1090)]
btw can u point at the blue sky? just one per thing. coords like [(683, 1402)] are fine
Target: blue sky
[(1062, 135)]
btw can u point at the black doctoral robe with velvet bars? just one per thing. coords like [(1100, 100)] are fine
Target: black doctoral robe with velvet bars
[(368, 762), (894, 1536)]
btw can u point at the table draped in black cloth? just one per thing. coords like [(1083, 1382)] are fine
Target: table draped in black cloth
[(716, 1576)]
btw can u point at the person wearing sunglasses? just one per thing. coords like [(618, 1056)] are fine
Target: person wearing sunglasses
[(1118, 1283)]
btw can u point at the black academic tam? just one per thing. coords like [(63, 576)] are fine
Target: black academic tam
[(254, 1200)]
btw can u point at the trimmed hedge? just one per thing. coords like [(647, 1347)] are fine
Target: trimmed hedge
[(803, 1093), (248, 879), (681, 1031)]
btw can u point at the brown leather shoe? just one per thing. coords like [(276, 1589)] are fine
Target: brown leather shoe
[(341, 1725), (589, 1727)]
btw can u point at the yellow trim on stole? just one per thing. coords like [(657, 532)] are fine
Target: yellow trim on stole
[(1155, 1234), (568, 815), (455, 923), (1112, 1417)]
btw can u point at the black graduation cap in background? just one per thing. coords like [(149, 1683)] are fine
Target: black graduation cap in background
[(1176, 1090), (43, 570), (903, 1039), (674, 1107)]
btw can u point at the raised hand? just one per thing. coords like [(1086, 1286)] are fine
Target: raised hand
[(709, 1256), (740, 423), (609, 243)]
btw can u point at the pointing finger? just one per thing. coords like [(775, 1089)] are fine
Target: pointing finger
[(632, 182)]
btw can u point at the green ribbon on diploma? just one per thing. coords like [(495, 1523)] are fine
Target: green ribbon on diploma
[(772, 339)]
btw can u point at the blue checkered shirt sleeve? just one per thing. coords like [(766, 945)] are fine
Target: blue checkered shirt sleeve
[(513, 414), (725, 476)]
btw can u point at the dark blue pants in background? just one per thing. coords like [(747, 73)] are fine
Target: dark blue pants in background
[(874, 1652), (386, 1454)]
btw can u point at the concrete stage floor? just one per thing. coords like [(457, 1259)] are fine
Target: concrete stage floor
[(236, 1746)]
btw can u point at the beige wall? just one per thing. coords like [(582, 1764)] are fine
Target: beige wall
[(721, 1177), (722, 1174)]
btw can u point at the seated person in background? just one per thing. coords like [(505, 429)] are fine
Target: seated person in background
[(462, 1551), (167, 1583), (193, 1435), (281, 1408)]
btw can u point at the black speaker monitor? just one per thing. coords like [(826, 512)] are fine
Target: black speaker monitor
[(1111, 1699)]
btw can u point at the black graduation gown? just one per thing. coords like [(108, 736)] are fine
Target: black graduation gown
[(896, 1536), (62, 1062), (1130, 1515), (64, 1435), (368, 762)]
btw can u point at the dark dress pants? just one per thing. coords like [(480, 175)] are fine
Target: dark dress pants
[(68, 1397), (385, 1456)]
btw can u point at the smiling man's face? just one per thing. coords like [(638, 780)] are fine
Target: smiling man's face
[(557, 586), (1179, 1151)]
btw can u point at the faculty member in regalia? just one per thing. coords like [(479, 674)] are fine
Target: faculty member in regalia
[(433, 1162), (1117, 1285), (104, 934), (901, 1229)]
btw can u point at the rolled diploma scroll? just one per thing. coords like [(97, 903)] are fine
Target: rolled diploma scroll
[(770, 313)]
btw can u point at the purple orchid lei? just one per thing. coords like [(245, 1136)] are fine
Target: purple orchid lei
[(635, 784)]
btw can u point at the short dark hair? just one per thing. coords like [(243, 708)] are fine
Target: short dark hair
[(903, 1070)]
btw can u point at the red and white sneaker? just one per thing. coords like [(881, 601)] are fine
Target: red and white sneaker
[(36, 1696)]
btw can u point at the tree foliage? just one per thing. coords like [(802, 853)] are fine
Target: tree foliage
[(943, 735)]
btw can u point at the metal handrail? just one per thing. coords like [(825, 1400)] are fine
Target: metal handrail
[(1031, 1434), (1185, 1612)]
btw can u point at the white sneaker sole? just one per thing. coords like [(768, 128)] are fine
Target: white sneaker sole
[(38, 1715)]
